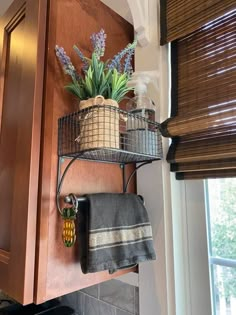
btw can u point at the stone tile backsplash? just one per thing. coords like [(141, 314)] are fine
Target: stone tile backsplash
[(112, 297), (95, 307), (92, 291), (118, 294), (74, 300), (120, 312), (136, 302), (5, 300)]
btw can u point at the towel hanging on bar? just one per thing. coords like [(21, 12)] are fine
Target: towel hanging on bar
[(114, 232)]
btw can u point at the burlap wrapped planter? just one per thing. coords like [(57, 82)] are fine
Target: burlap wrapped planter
[(99, 124)]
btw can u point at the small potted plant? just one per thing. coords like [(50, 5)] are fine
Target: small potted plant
[(101, 83), (107, 78)]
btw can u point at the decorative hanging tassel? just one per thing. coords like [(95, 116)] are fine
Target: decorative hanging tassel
[(69, 217)]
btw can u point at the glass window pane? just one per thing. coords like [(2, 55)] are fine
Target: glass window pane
[(224, 290), (222, 214)]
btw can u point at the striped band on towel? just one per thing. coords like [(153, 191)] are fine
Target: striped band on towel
[(117, 236)]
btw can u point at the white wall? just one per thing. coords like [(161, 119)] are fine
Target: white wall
[(4, 4), (156, 279)]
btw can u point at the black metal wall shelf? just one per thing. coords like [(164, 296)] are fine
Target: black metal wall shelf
[(107, 155), (109, 135)]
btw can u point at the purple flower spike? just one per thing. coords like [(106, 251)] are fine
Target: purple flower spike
[(99, 42), (66, 62), (127, 64), (82, 57), (116, 61)]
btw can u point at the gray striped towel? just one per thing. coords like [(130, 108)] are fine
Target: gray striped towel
[(115, 233)]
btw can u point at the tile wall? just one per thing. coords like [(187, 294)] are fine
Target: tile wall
[(108, 298), (4, 300)]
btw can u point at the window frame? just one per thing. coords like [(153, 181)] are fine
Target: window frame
[(213, 261), (191, 264)]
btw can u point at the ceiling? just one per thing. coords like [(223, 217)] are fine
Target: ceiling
[(121, 7), (4, 4)]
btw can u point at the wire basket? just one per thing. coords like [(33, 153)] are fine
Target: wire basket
[(107, 133)]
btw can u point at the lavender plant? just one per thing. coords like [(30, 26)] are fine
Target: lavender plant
[(108, 78)]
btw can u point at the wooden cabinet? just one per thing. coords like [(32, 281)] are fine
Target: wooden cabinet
[(23, 28), (34, 264)]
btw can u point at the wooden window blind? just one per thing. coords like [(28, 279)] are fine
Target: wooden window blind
[(203, 114), (182, 17)]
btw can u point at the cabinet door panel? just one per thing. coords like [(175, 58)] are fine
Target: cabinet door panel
[(20, 123), (70, 22), (9, 128)]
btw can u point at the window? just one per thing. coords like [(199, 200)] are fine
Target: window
[(221, 215), (202, 125)]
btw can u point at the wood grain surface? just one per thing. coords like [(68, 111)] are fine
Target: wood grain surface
[(70, 22), (22, 46)]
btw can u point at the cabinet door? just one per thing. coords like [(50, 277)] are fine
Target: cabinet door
[(21, 85), (70, 22)]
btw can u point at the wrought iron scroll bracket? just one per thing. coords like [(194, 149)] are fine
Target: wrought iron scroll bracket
[(127, 182), (74, 200), (70, 199)]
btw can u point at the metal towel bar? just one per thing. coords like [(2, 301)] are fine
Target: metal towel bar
[(74, 200)]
